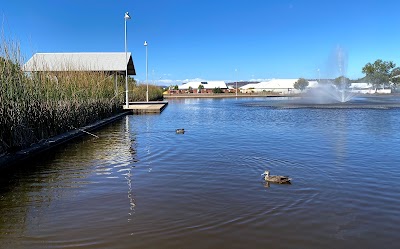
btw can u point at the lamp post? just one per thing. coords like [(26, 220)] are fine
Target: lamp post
[(147, 74), (236, 81), (126, 61)]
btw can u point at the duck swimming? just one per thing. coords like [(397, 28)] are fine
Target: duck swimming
[(276, 179), (180, 131)]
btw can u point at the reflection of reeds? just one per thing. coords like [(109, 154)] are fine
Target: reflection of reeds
[(39, 105)]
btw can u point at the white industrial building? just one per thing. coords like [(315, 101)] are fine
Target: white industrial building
[(368, 88), (283, 86), (209, 86), (286, 86)]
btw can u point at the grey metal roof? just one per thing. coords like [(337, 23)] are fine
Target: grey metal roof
[(104, 62)]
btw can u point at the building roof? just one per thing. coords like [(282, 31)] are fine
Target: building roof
[(362, 85), (206, 84), (312, 83), (272, 84), (250, 86), (277, 84), (104, 62)]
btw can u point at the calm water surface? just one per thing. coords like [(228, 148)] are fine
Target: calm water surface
[(140, 185)]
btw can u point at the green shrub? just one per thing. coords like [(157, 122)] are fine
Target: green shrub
[(217, 90)]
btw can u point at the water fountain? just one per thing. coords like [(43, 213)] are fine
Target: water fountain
[(344, 94), (335, 95), (333, 92)]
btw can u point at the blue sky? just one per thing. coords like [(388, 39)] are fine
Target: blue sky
[(209, 39)]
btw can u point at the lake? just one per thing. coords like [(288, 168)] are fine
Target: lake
[(141, 185)]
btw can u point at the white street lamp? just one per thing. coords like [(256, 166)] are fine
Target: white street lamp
[(126, 61), (147, 74), (236, 81)]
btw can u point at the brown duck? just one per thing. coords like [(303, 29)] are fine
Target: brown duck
[(276, 179), (180, 131)]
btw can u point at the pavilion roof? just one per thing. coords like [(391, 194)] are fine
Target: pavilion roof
[(102, 61)]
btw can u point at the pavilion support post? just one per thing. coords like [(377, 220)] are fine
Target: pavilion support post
[(116, 84)]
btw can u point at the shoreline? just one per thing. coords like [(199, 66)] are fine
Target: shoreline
[(269, 95), (222, 95), (9, 159)]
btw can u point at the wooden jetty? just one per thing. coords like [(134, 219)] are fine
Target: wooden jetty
[(146, 107)]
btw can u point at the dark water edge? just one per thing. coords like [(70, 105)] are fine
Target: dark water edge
[(8, 161), (141, 185)]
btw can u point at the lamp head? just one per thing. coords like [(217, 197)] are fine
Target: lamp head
[(145, 43), (127, 16)]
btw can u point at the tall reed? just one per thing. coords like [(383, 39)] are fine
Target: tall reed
[(39, 105), (138, 93)]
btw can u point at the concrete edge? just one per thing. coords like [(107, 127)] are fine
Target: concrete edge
[(10, 159), (148, 103)]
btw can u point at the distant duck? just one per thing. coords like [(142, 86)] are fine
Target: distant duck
[(180, 131), (276, 179)]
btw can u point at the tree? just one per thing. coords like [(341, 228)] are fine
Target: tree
[(395, 77), (176, 87), (342, 82), (379, 72), (301, 84), (199, 88), (217, 90)]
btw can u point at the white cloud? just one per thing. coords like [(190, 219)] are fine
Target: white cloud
[(195, 79), (169, 82), (260, 80), (166, 81)]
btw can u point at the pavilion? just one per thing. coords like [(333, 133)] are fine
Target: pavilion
[(112, 63)]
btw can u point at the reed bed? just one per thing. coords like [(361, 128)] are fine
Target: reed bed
[(39, 105), (138, 93)]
